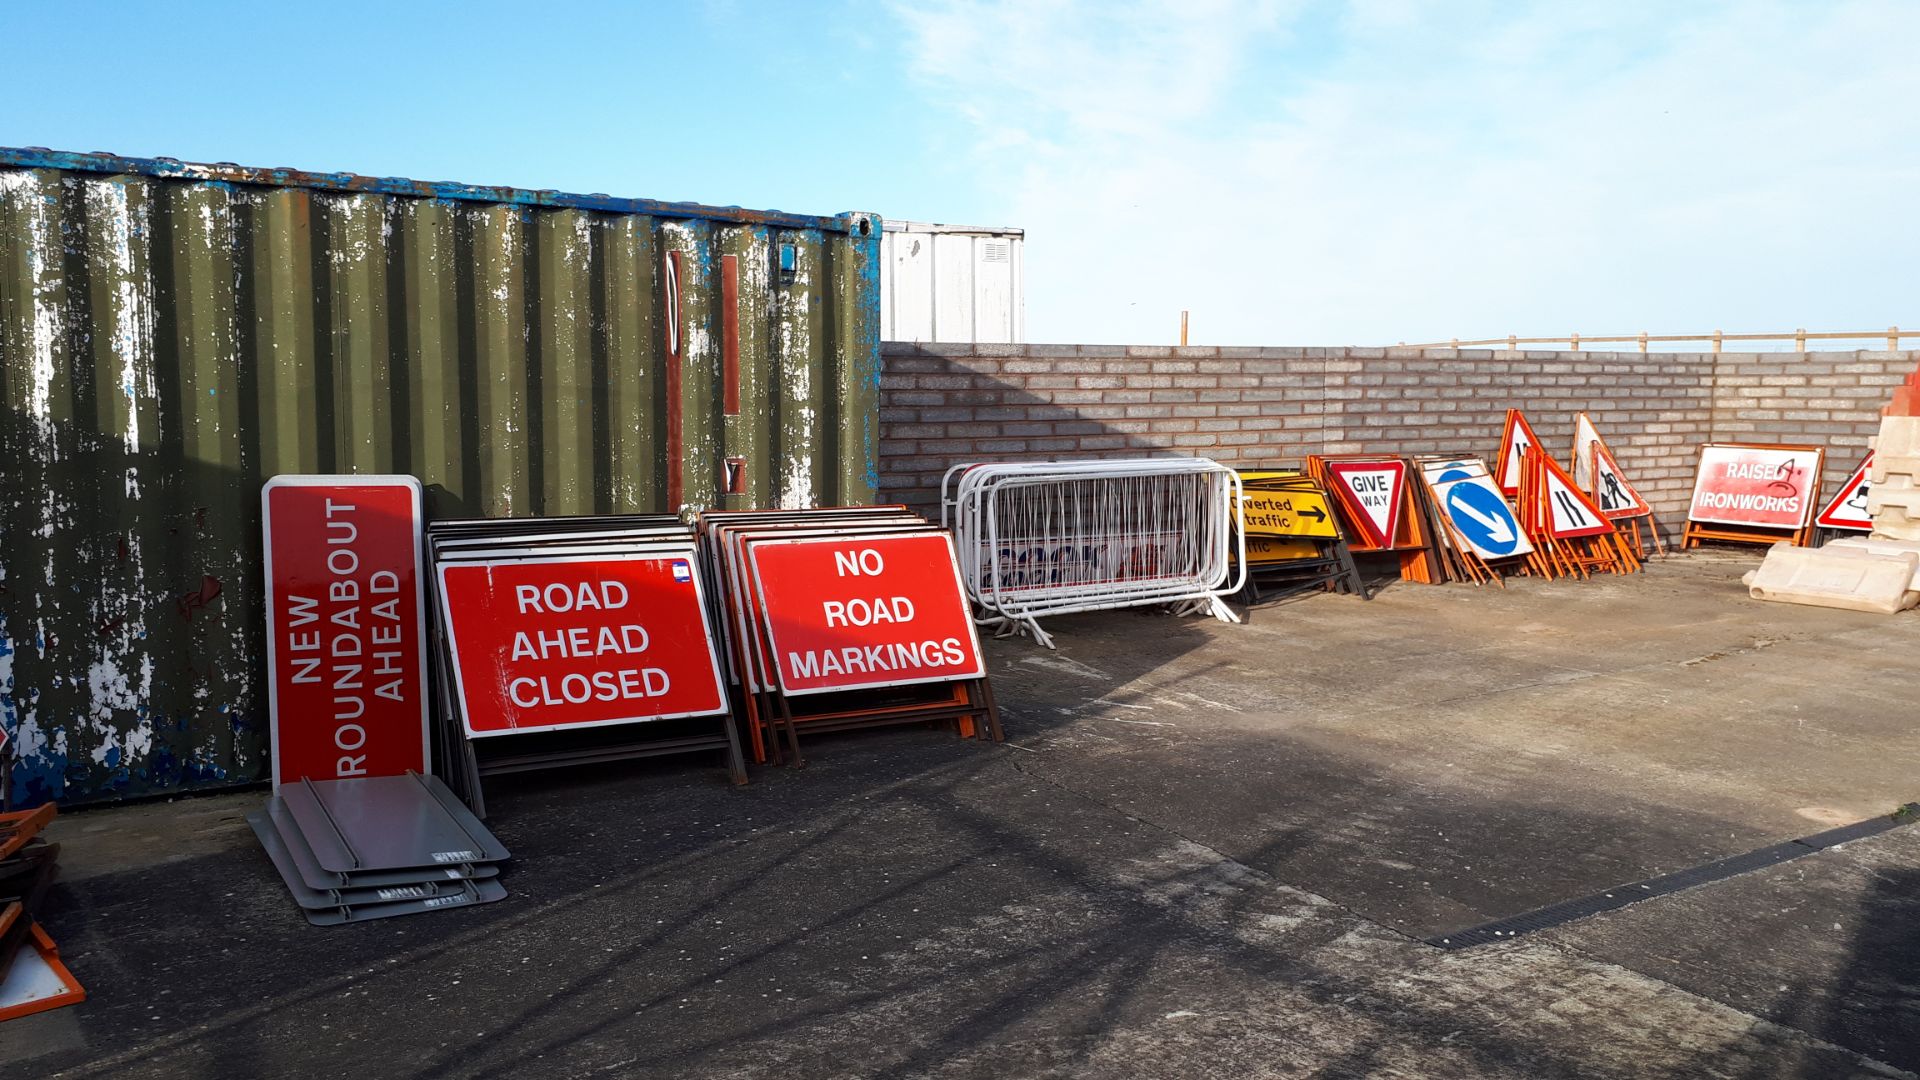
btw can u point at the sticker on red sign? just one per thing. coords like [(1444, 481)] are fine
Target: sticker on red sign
[(1769, 487), (552, 644), (864, 612), (346, 627), (1848, 510)]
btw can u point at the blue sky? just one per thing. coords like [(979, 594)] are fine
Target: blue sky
[(1294, 173)]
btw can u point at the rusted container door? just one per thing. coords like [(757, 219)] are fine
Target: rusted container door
[(171, 336)]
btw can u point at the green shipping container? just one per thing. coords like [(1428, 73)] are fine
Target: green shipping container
[(171, 335)]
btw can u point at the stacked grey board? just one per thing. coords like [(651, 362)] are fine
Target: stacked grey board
[(379, 846)]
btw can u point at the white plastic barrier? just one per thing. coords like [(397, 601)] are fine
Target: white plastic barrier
[(1053, 538)]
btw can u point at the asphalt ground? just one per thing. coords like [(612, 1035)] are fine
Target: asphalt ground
[(1205, 850)]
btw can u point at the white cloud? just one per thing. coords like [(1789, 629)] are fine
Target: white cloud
[(1406, 171)]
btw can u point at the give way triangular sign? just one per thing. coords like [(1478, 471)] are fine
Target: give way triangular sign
[(1848, 510), (1375, 489), (1513, 443)]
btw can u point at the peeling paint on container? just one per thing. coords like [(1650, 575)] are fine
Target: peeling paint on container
[(171, 335)]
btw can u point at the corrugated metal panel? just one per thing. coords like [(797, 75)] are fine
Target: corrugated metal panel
[(953, 283), (171, 335)]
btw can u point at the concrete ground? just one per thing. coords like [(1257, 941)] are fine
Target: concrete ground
[(1206, 850)]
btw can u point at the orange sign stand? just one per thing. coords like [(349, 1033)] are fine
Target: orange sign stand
[(1607, 485), (1400, 526), (1570, 534), (1754, 493)]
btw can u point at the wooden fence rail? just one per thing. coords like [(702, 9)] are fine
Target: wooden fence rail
[(1893, 334)]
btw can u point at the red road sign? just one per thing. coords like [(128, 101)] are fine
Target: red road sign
[(1376, 489), (1514, 441), (578, 641), (1848, 510), (346, 629), (1756, 484), (865, 611)]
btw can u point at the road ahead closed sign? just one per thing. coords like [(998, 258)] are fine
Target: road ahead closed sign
[(846, 614), (547, 644)]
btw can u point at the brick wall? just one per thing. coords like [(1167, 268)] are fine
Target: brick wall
[(942, 404)]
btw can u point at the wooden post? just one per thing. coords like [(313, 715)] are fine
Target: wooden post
[(1800, 340), (1893, 339), (1183, 329), (1574, 342), (1643, 341), (1717, 335), (1513, 343)]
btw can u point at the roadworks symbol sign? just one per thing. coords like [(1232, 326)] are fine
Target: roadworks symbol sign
[(1616, 498), (1848, 510)]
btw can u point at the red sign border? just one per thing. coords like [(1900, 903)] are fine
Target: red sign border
[(412, 484), (1640, 507), (1515, 418), (1362, 518), (735, 586), (959, 591), (1859, 474), (453, 645), (1806, 519)]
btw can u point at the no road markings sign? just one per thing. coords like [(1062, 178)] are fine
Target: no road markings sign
[(864, 612)]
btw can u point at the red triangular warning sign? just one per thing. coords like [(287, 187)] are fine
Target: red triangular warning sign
[(1848, 510), (1566, 512), (1374, 490), (1513, 443), (1616, 498)]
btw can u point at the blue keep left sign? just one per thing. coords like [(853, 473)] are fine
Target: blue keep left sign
[(1484, 518)]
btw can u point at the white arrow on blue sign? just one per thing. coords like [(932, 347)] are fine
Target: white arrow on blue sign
[(1481, 515)]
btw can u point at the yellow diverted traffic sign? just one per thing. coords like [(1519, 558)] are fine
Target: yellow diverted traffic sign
[(1266, 550), (1286, 513)]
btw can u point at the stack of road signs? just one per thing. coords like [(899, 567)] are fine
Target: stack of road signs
[(32, 977), (1570, 534), (378, 847), (1515, 439), (1847, 511), (1053, 538), (573, 641), (1381, 510), (844, 618), (1598, 473), (1292, 538), (1755, 493), (1477, 528)]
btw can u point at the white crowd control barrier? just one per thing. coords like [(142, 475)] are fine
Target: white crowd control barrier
[(1051, 538)]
